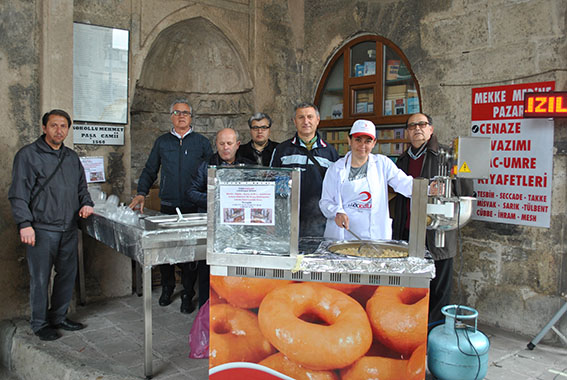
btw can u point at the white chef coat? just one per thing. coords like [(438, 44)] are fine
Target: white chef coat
[(365, 201)]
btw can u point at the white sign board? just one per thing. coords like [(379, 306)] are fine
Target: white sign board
[(518, 190), (100, 74), (248, 203), (98, 134)]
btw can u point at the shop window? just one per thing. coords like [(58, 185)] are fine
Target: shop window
[(368, 78)]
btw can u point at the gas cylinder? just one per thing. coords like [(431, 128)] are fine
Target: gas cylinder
[(455, 349)]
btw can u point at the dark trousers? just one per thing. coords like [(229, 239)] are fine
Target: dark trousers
[(440, 290), (189, 271), (52, 250), (440, 287)]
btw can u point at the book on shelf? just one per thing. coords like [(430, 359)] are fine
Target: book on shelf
[(358, 70), (386, 134), (413, 105), (385, 148), (388, 107), (337, 112), (399, 133), (400, 106), (369, 67), (392, 67)]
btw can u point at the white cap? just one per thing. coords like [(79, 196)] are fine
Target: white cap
[(363, 127)]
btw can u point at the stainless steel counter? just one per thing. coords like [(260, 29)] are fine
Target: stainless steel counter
[(154, 240)]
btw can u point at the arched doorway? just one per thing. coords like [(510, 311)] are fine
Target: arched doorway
[(192, 59)]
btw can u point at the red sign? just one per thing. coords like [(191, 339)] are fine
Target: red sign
[(549, 104), (504, 102)]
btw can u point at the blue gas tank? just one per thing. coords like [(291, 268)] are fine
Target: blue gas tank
[(455, 350)]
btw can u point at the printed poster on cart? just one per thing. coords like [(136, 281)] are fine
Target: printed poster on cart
[(518, 190), (248, 203), (276, 329)]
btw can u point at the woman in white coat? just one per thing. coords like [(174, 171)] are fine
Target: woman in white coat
[(355, 189)]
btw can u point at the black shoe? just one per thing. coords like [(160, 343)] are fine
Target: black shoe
[(47, 333), (69, 325), (165, 298), (187, 306)]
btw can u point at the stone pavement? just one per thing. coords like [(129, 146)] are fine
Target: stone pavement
[(111, 348)]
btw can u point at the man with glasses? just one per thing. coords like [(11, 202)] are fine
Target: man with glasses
[(179, 153), (421, 159), (260, 148)]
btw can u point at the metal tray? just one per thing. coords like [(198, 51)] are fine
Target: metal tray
[(173, 221), (370, 248)]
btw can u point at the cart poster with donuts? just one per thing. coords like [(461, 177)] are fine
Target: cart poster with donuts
[(281, 329)]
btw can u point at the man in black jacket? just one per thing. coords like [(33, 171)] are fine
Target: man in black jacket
[(227, 143), (308, 151), (178, 153), (48, 194), (260, 148), (422, 160)]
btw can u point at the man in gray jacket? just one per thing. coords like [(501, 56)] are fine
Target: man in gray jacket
[(48, 194)]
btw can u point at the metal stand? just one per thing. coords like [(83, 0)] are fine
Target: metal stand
[(550, 325)]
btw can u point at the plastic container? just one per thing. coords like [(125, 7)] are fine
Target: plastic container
[(456, 350)]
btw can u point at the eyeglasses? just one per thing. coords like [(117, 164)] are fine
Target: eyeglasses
[(420, 124), (179, 113), (262, 127)]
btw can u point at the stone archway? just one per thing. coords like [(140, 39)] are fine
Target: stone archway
[(193, 59)]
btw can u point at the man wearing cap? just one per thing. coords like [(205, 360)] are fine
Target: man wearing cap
[(355, 189), (308, 151), (260, 148), (421, 159)]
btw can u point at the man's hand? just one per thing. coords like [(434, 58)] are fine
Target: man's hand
[(341, 220), (27, 235), (138, 200), (85, 211)]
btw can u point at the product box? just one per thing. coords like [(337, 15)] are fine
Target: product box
[(388, 107), (392, 67), (358, 70), (399, 133), (370, 68), (413, 105), (400, 106), (263, 328)]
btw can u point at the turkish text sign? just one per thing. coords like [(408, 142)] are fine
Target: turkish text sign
[(518, 190)]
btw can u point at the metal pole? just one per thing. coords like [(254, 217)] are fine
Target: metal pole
[(550, 325), (418, 219), (147, 275)]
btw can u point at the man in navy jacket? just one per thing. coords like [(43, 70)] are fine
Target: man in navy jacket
[(308, 151), (178, 153)]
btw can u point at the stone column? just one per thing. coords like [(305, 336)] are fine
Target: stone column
[(56, 57)]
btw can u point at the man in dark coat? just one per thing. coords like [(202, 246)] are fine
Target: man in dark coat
[(227, 143), (308, 151), (260, 148), (421, 159), (48, 194), (178, 153)]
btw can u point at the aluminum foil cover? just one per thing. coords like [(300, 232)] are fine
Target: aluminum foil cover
[(147, 246), (318, 258), (271, 238)]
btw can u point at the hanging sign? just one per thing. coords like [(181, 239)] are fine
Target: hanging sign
[(548, 104), (518, 190)]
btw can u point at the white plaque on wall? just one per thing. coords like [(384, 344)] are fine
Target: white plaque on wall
[(98, 134), (100, 74)]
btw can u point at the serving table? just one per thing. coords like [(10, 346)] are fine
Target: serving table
[(153, 240)]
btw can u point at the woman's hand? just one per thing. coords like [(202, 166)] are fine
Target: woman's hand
[(342, 220)]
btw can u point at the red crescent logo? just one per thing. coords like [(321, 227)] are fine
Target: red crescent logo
[(368, 196)]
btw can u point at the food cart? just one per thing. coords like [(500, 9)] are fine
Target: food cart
[(283, 307)]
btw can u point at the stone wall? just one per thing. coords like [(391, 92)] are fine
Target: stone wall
[(20, 112), (513, 275)]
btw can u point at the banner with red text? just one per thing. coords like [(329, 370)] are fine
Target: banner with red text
[(518, 190)]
